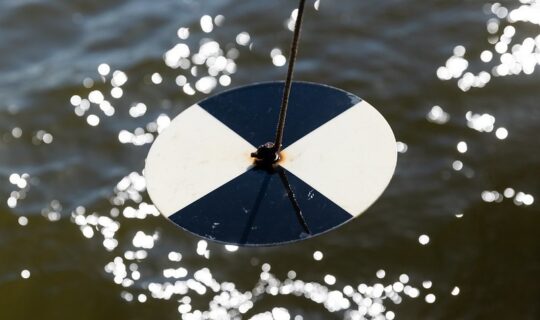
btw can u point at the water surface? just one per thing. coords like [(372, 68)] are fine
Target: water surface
[(85, 86)]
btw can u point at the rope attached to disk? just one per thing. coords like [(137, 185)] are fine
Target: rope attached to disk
[(268, 153), (288, 82)]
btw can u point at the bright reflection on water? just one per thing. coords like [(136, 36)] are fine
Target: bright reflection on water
[(179, 280), (202, 59), (512, 52)]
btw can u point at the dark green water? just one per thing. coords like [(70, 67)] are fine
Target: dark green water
[(456, 235)]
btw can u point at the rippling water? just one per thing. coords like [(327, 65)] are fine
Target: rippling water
[(85, 86)]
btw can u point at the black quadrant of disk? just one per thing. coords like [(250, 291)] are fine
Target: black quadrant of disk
[(338, 156)]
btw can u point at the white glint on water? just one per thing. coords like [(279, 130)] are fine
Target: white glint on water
[(207, 24), (330, 279), (243, 38), (317, 255), (25, 274), (104, 69), (423, 239), (501, 133), (462, 147), (430, 298), (92, 120)]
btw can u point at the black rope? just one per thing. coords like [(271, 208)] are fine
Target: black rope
[(294, 202), (288, 82)]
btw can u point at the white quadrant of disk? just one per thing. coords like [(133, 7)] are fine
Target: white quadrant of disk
[(349, 159), (192, 157)]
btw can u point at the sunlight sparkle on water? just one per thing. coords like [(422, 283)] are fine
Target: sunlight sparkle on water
[(243, 38), (75, 100), (183, 33), (104, 69), (404, 278), (206, 84), (23, 221), (225, 80), (330, 279), (278, 59), (515, 57), (156, 78), (175, 256), (438, 115), (457, 165), (486, 56), (42, 136), (25, 274), (117, 92), (16, 132), (119, 78), (402, 147), (462, 147), (509, 193), (292, 20), (501, 133), (145, 241), (523, 199), (207, 24), (12, 202), (22, 182), (430, 298), (202, 249), (480, 122), (317, 255), (137, 110), (92, 120), (520, 198), (423, 239)]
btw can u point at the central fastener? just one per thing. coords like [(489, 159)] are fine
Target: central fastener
[(266, 155)]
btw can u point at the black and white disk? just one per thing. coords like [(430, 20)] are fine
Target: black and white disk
[(339, 154)]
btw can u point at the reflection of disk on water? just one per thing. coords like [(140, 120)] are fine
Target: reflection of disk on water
[(338, 156)]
